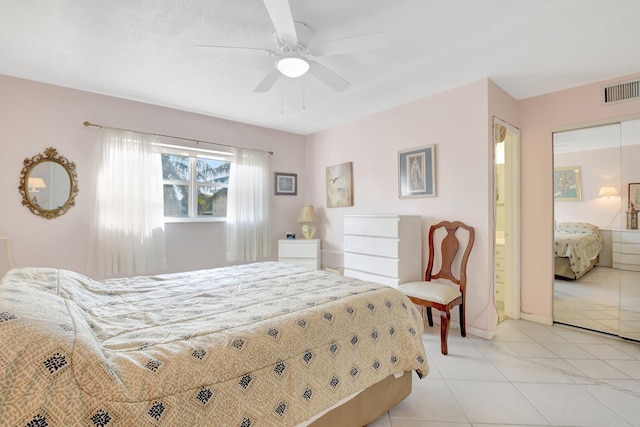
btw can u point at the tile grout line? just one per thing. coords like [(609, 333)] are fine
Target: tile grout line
[(572, 375), (543, 335)]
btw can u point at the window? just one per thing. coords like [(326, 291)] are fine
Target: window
[(195, 184)]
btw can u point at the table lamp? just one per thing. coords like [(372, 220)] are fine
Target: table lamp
[(308, 219)]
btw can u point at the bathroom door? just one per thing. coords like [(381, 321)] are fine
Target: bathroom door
[(507, 219)]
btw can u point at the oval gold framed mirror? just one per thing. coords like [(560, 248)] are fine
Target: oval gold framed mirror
[(48, 184)]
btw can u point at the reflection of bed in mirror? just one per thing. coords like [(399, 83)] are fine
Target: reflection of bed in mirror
[(577, 247)]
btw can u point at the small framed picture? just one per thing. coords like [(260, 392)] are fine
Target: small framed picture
[(286, 184), (634, 194), (566, 184), (416, 172)]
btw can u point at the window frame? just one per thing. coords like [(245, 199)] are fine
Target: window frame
[(193, 154)]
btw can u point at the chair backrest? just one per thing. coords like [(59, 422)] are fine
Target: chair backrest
[(449, 248)]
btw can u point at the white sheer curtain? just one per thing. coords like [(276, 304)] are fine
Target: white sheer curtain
[(248, 212), (128, 229)]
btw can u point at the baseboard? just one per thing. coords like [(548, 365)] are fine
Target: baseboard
[(537, 319), (481, 333)]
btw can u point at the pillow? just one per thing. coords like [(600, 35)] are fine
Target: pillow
[(578, 228)]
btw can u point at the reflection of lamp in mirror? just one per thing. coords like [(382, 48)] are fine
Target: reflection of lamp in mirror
[(308, 219), (35, 184), (608, 192)]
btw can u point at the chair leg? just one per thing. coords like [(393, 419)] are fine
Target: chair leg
[(429, 316), (445, 317), (463, 330)]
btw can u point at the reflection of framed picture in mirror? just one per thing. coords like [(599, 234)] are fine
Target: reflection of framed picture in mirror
[(566, 184), (416, 172), (634, 194), (286, 184)]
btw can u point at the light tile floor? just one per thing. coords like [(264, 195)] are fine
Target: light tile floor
[(605, 299), (528, 375)]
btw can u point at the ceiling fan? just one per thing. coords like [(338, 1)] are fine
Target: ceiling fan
[(294, 46)]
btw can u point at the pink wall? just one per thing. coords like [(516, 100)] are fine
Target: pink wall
[(459, 122), (456, 121), (34, 116), (539, 118)]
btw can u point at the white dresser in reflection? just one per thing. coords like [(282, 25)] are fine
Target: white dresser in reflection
[(385, 249), (625, 249)]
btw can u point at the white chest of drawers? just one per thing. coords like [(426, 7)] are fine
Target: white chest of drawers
[(385, 249), (500, 273), (625, 249), (303, 252)]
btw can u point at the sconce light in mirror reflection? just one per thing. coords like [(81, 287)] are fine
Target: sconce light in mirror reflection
[(35, 184), (608, 192)]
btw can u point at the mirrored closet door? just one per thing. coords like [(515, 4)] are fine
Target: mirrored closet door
[(626, 241), (597, 273)]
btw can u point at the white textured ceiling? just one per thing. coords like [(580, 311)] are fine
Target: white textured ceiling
[(145, 50)]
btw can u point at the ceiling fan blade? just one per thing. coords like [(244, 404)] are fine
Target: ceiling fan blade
[(237, 50), (330, 78), (280, 14), (269, 80), (351, 44)]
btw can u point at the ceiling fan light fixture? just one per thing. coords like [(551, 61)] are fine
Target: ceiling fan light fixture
[(292, 66)]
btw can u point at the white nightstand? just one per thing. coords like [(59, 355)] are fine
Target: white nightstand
[(303, 252)]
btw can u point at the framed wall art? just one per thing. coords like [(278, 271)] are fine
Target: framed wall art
[(566, 184), (286, 184), (416, 172), (634, 194), (340, 185)]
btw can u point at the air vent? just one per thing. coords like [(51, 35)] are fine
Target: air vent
[(620, 92)]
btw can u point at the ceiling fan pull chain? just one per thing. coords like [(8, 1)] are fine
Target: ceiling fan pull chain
[(304, 92), (281, 98)]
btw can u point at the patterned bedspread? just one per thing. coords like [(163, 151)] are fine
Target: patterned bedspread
[(580, 242), (255, 345)]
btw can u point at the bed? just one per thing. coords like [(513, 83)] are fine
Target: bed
[(263, 344), (577, 247)]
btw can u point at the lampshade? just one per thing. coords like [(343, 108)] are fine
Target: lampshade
[(292, 66), (608, 192), (35, 184), (308, 214)]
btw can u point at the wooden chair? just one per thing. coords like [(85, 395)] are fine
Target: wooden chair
[(443, 290)]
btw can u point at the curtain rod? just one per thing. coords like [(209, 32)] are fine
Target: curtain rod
[(197, 141)]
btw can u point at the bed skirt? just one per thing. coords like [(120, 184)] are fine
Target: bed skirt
[(368, 405), (563, 268)]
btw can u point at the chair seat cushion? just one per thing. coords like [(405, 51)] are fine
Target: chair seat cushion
[(430, 291)]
